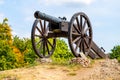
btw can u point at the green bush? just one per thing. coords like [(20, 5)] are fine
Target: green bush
[(29, 56), (7, 57), (62, 54), (19, 54), (115, 53), (14, 52), (25, 47)]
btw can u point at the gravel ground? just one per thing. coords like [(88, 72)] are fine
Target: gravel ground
[(101, 70), (106, 70)]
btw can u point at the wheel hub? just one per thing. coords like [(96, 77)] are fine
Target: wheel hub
[(83, 35)]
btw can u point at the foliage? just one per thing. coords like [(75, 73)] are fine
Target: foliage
[(7, 57), (26, 50), (5, 32), (14, 52), (115, 53), (62, 54), (15, 56)]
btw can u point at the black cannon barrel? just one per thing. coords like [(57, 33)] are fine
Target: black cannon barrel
[(46, 17)]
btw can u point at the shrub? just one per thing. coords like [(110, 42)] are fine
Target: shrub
[(7, 57), (115, 53), (25, 47), (62, 54), (14, 52)]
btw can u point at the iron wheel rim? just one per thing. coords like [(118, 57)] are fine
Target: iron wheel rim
[(80, 34), (42, 45)]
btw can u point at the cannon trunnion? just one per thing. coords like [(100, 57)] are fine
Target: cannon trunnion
[(78, 31)]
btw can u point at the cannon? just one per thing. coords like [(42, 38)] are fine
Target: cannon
[(78, 30)]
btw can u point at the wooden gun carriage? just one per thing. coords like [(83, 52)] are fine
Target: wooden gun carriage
[(78, 30)]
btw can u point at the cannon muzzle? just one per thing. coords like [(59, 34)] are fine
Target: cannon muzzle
[(46, 17)]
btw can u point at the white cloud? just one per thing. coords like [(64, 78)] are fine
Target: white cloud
[(60, 2), (1, 2)]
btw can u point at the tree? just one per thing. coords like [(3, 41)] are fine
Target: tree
[(14, 52), (115, 53), (7, 57), (5, 32)]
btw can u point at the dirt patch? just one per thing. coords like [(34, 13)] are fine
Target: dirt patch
[(101, 70)]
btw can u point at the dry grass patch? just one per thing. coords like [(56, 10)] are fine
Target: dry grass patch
[(8, 77), (72, 74), (51, 67)]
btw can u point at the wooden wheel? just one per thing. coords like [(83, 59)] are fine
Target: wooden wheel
[(42, 45), (80, 34)]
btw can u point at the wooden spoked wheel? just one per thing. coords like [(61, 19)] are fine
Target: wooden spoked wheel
[(80, 34), (42, 44)]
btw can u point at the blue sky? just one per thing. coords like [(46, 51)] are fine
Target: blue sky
[(104, 16)]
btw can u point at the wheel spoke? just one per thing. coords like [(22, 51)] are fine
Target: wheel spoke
[(41, 47), (39, 30), (76, 28), (39, 41), (47, 48), (50, 44), (83, 46), (44, 26), (84, 25), (88, 37), (78, 23), (81, 22), (41, 26), (44, 47), (37, 35), (78, 44), (75, 40), (76, 34), (87, 29), (85, 41)]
